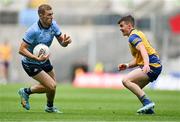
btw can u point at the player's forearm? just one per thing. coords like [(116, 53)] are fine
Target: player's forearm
[(132, 63), (26, 53)]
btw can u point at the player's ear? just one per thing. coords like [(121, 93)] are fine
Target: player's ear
[(40, 15)]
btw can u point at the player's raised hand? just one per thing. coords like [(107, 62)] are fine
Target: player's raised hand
[(66, 40), (122, 66)]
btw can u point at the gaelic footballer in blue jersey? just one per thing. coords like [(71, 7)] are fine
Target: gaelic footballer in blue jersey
[(145, 58), (40, 68)]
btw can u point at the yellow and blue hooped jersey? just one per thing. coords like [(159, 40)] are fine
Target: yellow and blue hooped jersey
[(137, 37)]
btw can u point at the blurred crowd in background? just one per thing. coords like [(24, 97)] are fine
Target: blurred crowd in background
[(97, 41)]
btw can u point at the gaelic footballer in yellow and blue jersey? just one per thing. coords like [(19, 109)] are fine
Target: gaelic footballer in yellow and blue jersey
[(137, 37)]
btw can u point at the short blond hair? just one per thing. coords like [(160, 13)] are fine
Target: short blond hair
[(42, 8)]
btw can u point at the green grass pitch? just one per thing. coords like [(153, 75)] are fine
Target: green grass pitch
[(80, 104)]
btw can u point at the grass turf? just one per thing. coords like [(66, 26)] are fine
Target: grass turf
[(80, 104)]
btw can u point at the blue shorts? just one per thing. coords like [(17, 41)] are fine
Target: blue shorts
[(34, 69), (154, 72)]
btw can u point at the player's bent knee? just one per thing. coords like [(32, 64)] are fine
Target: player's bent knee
[(125, 82), (52, 87)]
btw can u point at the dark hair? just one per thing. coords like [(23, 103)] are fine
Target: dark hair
[(127, 19), (42, 8)]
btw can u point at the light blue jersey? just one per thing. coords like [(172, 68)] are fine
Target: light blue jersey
[(37, 34)]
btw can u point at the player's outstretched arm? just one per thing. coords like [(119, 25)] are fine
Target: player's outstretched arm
[(132, 63), (64, 40), (125, 66)]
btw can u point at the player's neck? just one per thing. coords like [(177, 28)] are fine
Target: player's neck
[(131, 31), (42, 25)]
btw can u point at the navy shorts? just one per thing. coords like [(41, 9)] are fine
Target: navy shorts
[(154, 72), (34, 69)]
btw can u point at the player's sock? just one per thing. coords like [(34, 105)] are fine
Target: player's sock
[(50, 104), (145, 100), (28, 91)]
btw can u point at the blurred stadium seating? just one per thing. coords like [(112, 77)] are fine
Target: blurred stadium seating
[(92, 25)]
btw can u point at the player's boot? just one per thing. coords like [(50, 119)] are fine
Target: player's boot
[(52, 110), (24, 98), (150, 111), (146, 108)]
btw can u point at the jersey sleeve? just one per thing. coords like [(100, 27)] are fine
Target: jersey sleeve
[(29, 36), (56, 29), (134, 40)]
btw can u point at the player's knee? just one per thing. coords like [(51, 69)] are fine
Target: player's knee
[(52, 87), (125, 82)]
